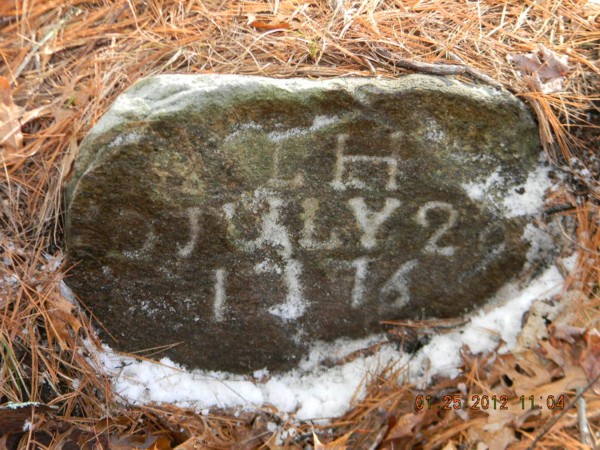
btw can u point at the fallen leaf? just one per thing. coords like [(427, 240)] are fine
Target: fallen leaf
[(62, 313), (497, 440), (11, 137), (338, 444), (567, 333), (14, 416), (404, 426), (449, 446), (149, 442), (544, 69), (590, 357), (267, 26), (553, 354), (193, 443), (525, 371)]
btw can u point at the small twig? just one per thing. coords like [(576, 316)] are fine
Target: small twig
[(363, 352), (582, 422), (572, 241), (433, 324), (555, 209), (436, 68), (553, 422)]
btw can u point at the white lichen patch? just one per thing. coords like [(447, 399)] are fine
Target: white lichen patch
[(479, 191), (144, 250), (241, 129), (125, 139)]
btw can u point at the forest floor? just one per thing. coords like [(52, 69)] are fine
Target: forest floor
[(63, 62)]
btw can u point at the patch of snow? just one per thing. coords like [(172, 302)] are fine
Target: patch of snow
[(146, 248), (27, 425), (434, 131), (540, 243), (504, 322), (9, 280), (529, 202), (485, 330), (278, 136), (268, 266), (54, 262), (311, 391), (570, 262), (67, 293), (13, 405)]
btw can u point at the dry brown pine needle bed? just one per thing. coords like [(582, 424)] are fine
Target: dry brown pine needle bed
[(62, 64)]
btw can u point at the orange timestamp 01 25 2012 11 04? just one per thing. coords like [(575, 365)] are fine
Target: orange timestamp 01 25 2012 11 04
[(484, 402)]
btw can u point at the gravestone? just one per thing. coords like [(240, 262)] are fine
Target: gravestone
[(241, 219)]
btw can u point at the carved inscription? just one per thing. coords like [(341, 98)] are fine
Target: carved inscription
[(219, 305), (274, 234), (370, 220), (361, 267), (398, 284), (308, 240), (432, 244), (194, 215), (341, 183)]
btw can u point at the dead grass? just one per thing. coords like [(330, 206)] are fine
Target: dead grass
[(66, 60)]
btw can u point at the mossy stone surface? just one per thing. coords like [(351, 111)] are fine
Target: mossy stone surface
[(244, 218)]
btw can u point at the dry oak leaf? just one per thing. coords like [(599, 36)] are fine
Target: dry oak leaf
[(148, 442), (338, 444), (62, 312), (405, 425), (449, 446), (11, 137), (526, 371), (590, 357), (13, 418), (496, 440), (543, 68), (261, 25), (546, 63)]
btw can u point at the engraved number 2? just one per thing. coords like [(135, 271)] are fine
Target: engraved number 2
[(432, 244)]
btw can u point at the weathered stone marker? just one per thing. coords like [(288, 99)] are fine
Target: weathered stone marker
[(246, 218)]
